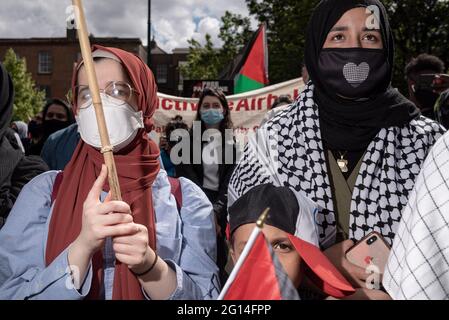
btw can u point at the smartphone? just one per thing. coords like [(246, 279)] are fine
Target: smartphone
[(371, 250), (425, 82)]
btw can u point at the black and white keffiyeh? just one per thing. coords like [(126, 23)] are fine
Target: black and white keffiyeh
[(288, 151), (418, 266)]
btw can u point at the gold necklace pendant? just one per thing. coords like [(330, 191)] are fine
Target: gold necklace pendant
[(343, 164)]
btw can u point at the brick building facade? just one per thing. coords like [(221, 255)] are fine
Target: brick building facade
[(51, 60)]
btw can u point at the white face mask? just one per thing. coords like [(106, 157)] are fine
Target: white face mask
[(122, 122)]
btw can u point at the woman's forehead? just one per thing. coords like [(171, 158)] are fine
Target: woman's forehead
[(106, 70), (362, 17), (270, 232), (211, 99), (274, 232), (56, 108)]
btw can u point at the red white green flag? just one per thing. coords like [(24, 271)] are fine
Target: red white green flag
[(253, 73), (258, 274)]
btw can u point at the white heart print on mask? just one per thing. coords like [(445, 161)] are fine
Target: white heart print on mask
[(356, 74)]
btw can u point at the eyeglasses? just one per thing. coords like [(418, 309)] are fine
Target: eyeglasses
[(117, 92)]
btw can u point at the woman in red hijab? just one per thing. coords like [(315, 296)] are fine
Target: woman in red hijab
[(65, 238)]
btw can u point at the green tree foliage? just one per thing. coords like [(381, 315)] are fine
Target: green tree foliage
[(419, 26), (203, 61), (235, 32), (206, 62), (28, 100)]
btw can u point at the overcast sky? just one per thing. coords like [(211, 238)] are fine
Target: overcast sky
[(174, 21)]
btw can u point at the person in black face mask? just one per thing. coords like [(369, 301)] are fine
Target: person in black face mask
[(424, 92), (352, 143), (56, 116)]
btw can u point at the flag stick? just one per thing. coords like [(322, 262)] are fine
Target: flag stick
[(261, 221), (107, 149)]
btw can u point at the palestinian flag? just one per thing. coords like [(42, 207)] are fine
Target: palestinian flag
[(258, 274), (252, 71)]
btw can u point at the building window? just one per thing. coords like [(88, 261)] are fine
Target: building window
[(47, 90), (45, 62), (162, 73)]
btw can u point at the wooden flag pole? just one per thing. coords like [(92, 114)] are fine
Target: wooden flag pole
[(107, 149)]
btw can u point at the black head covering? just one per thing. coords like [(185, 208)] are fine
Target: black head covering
[(282, 202), (15, 168), (10, 153), (351, 125), (68, 110), (6, 100)]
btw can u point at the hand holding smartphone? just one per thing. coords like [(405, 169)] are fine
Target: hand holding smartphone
[(371, 250)]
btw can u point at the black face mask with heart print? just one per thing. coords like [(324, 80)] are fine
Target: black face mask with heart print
[(353, 73), (371, 102)]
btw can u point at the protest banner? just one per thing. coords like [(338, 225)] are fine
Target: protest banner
[(247, 109)]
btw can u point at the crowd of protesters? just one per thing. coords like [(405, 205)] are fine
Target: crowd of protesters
[(351, 156)]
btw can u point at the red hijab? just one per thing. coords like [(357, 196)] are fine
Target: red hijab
[(137, 168)]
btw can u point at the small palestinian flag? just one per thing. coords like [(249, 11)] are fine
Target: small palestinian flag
[(258, 274), (253, 69)]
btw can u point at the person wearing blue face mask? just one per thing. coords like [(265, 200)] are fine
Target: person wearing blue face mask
[(211, 167), (212, 113), (351, 142)]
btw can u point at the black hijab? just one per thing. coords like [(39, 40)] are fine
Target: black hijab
[(352, 125), (10, 153), (6, 100)]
